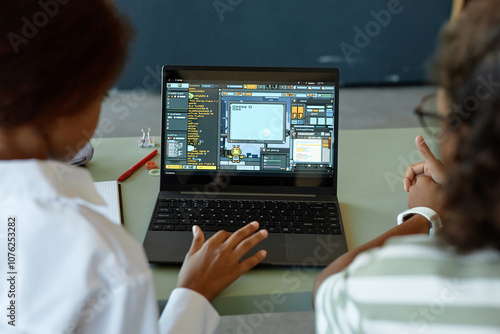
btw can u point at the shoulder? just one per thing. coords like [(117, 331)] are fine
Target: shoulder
[(68, 256), (412, 260), (74, 260), (408, 274), (421, 255), (46, 197), (86, 233), (70, 235), (402, 252)]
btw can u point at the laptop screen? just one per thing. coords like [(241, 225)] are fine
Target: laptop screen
[(255, 126)]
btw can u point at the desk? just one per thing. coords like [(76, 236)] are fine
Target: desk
[(371, 166)]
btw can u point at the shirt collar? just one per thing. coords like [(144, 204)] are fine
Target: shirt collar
[(47, 179)]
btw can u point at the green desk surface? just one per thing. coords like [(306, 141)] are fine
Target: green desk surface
[(370, 191)]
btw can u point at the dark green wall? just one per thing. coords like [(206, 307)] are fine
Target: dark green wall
[(304, 33)]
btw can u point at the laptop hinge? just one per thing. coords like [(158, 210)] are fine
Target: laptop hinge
[(249, 194)]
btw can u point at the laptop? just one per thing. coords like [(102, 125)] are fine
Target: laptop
[(241, 144)]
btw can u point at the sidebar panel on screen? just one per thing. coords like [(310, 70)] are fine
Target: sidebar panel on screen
[(192, 127)]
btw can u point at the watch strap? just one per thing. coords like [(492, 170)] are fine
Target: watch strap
[(428, 213)]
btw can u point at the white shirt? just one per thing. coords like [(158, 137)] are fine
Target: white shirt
[(75, 271)]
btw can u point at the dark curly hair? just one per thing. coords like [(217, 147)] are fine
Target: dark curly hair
[(57, 56), (468, 69)]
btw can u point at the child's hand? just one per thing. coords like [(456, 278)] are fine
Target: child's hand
[(210, 267), (431, 166), (426, 192)]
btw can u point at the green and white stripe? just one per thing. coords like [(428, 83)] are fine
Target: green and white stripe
[(414, 284)]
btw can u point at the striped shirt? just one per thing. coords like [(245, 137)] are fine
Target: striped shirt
[(413, 284)]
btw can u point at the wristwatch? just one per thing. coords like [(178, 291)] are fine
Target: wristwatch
[(428, 213)]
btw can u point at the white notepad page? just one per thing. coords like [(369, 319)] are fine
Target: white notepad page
[(110, 193)]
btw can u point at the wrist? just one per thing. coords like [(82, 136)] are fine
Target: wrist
[(208, 296), (416, 224)]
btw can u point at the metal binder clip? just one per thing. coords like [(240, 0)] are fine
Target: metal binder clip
[(146, 140)]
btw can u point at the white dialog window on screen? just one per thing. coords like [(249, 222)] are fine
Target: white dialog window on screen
[(257, 122)]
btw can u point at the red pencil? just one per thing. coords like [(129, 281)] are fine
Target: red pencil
[(137, 165)]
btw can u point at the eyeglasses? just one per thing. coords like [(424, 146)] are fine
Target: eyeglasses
[(429, 116)]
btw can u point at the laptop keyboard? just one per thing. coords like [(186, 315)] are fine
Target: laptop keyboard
[(230, 215)]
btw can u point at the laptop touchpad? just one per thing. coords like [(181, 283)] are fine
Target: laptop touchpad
[(274, 244)]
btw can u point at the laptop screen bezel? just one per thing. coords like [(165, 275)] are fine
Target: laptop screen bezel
[(238, 181)]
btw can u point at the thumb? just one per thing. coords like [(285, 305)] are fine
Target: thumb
[(425, 151), (198, 240)]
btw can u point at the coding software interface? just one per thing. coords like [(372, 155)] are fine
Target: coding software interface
[(250, 127)]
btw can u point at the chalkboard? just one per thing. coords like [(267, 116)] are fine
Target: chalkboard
[(371, 42)]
